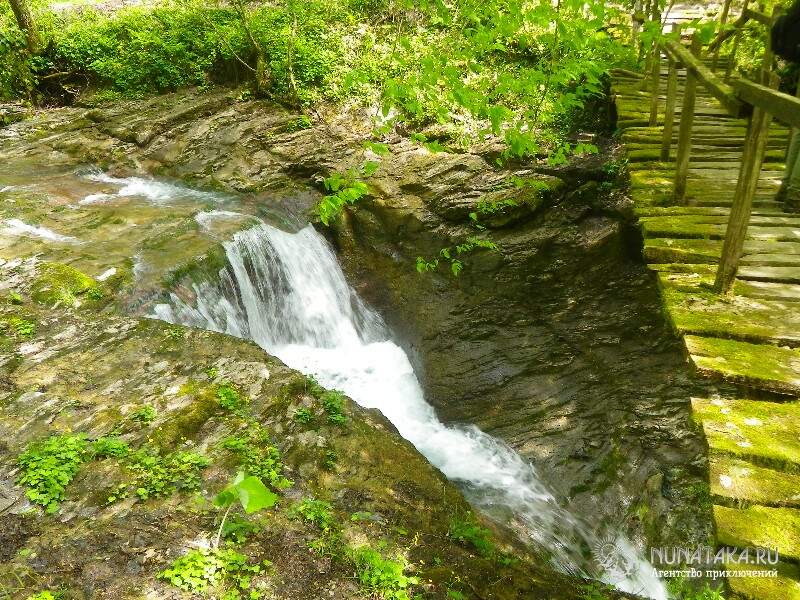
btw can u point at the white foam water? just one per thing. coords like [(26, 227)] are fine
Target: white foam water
[(159, 192), (287, 292), (207, 217), (17, 228)]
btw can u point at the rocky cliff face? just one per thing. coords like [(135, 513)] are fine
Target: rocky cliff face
[(555, 343), (127, 427)]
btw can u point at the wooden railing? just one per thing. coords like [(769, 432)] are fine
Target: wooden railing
[(758, 101)]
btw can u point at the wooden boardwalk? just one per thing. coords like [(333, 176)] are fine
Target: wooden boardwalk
[(750, 338)]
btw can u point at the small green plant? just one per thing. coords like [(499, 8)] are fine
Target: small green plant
[(46, 595), (230, 398), (225, 571), (257, 456), (333, 403), (377, 147), (144, 414), (614, 168), (450, 255), (304, 416), (238, 529), (109, 447), (595, 591), (330, 460), (96, 293), (252, 495), (466, 531), (318, 512), (175, 332), (15, 298), (50, 465), (381, 576), (306, 384), (345, 189), (298, 124), (681, 588), (21, 327), (156, 476)]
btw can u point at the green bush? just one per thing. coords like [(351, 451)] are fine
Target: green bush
[(137, 50)]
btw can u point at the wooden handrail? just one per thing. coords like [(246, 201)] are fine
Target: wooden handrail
[(760, 102), (723, 92), (784, 107)]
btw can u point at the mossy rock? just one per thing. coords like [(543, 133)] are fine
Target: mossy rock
[(759, 526), (734, 480), (786, 586), (767, 433), (58, 283), (762, 366)]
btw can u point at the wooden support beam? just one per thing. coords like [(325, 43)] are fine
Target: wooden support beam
[(723, 92), (685, 129), (735, 234), (669, 109), (752, 158)]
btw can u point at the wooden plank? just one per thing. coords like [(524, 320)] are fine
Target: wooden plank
[(783, 107), (723, 92)]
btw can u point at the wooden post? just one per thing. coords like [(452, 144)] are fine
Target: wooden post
[(755, 148), (685, 129), (655, 73), (669, 109), (723, 19), (737, 39)]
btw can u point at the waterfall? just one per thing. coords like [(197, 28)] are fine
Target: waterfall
[(286, 292)]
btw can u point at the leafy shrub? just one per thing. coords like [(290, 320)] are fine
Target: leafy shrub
[(230, 398), (333, 403), (144, 414), (383, 577), (138, 49), (158, 476), (200, 571), (108, 447), (257, 456), (318, 512), (303, 415), (49, 466)]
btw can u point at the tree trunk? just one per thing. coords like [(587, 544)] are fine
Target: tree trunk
[(22, 12)]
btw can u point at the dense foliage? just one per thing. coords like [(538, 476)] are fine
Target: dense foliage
[(519, 69)]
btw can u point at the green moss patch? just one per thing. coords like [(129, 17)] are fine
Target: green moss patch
[(766, 432), (737, 480), (777, 528), (786, 586), (698, 311), (60, 284), (768, 367)]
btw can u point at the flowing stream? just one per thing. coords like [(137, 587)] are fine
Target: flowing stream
[(286, 292)]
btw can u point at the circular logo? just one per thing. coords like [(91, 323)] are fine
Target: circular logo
[(610, 556)]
